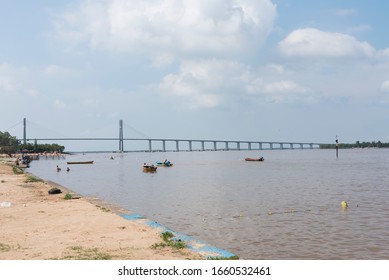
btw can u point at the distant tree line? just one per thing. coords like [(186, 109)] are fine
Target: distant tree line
[(357, 144), (10, 144)]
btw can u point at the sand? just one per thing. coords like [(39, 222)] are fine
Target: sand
[(35, 225)]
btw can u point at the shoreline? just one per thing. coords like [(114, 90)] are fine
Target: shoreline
[(41, 226)]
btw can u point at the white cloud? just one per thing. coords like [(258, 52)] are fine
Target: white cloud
[(284, 86), (164, 26), (385, 86), (32, 92), (279, 91), (59, 104), (314, 42), (215, 83), (91, 102), (56, 70), (198, 83), (8, 78), (275, 68)]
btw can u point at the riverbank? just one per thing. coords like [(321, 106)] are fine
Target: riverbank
[(36, 225)]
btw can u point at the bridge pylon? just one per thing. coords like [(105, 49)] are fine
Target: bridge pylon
[(121, 141), (24, 131)]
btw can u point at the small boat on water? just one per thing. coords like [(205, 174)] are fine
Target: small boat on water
[(80, 162), (254, 159), (149, 168), (165, 163)]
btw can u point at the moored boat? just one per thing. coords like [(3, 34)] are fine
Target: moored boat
[(165, 163), (149, 168), (254, 159), (80, 162)]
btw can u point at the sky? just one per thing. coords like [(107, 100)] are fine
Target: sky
[(255, 70)]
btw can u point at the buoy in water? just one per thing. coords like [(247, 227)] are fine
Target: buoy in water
[(344, 204)]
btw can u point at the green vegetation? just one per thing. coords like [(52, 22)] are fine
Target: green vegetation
[(81, 253), (17, 170), (41, 148), (10, 144), (7, 142), (357, 144), (32, 179), (4, 247), (103, 208), (68, 196), (168, 240)]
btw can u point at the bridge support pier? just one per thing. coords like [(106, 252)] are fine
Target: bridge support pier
[(177, 146)]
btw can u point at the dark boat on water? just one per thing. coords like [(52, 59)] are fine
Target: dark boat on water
[(254, 159), (80, 162)]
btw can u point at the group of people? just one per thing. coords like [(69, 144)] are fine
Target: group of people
[(26, 159), (59, 169)]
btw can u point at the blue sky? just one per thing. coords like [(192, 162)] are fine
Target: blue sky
[(301, 71)]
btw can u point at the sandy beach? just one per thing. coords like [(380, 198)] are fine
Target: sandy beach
[(36, 225)]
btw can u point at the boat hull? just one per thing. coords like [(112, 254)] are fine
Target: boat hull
[(254, 159), (168, 164), (80, 162), (149, 168)]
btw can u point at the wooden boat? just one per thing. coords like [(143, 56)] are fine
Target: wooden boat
[(80, 162), (149, 168), (165, 163), (254, 159)]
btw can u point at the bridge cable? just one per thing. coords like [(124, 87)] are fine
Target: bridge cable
[(137, 131), (40, 127), (14, 126)]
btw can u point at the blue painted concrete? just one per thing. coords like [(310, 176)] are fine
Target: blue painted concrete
[(206, 250)]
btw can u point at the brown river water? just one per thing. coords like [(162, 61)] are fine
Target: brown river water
[(286, 207)]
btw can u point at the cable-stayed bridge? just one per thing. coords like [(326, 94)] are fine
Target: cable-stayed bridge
[(165, 144)]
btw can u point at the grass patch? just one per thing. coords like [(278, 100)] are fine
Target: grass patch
[(68, 196), (168, 241), (81, 253), (103, 208), (33, 179), (4, 247), (17, 170)]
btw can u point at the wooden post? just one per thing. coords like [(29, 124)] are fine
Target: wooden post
[(337, 148)]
